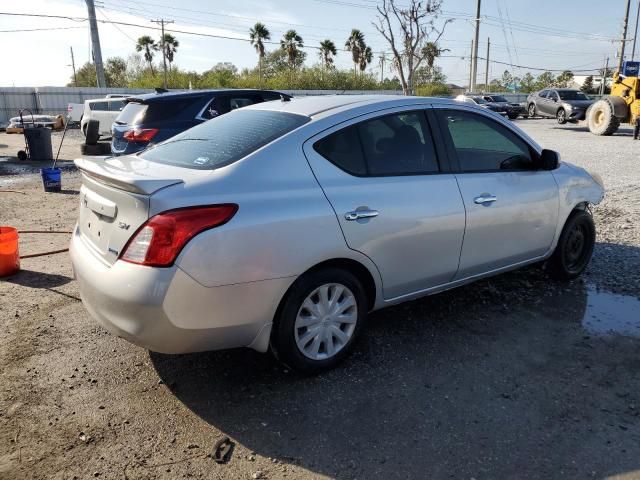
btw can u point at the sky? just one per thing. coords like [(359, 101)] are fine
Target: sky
[(545, 34)]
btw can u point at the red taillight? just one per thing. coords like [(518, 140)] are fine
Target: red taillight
[(140, 134), (161, 239)]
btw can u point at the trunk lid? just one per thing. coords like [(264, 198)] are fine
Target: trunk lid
[(114, 200)]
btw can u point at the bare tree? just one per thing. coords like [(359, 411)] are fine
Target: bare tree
[(408, 28)]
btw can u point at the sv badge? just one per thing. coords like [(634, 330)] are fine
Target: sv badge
[(124, 226)]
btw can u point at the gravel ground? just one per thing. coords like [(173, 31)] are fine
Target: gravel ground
[(514, 377)]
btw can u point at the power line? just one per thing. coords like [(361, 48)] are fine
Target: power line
[(38, 29)]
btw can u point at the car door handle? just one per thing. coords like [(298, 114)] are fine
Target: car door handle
[(358, 214), (485, 198)]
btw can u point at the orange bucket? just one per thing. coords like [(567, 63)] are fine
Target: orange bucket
[(9, 255)]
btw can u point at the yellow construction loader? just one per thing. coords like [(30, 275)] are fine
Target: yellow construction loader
[(621, 106)]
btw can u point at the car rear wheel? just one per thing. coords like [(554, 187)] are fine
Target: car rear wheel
[(561, 116), (532, 110), (319, 320), (512, 116), (575, 247)]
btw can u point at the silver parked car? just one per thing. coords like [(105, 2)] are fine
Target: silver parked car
[(281, 225)]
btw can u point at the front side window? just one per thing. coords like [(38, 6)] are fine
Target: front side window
[(482, 144), (553, 96), (224, 139), (398, 144)]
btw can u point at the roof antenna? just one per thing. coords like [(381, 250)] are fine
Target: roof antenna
[(284, 98)]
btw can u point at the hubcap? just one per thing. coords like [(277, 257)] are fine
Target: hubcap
[(561, 116), (575, 246), (326, 321), (532, 111), (598, 117)]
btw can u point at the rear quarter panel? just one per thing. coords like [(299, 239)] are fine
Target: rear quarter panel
[(283, 227)]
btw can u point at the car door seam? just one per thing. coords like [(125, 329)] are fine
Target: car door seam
[(338, 219)]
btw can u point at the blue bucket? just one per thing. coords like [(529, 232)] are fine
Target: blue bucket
[(51, 179)]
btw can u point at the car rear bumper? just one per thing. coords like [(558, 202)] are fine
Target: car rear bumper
[(167, 311)]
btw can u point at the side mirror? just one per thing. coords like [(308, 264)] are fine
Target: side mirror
[(549, 159)]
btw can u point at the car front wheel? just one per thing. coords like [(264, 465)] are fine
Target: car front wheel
[(575, 247), (561, 116), (532, 110), (319, 320)]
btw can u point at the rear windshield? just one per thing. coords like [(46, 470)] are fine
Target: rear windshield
[(498, 98), (479, 100), (571, 95), (131, 114), (224, 139)]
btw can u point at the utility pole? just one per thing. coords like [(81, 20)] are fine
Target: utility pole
[(471, 67), (604, 76), (635, 36), (486, 73), (95, 44), (624, 36), (382, 60), (162, 22), (73, 65), (474, 68)]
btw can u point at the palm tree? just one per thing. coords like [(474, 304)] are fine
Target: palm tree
[(355, 45), (431, 51), (291, 43), (171, 45), (366, 56), (257, 35), (147, 44), (327, 51)]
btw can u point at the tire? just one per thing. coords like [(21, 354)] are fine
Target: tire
[(561, 116), (314, 356), (601, 119), (22, 155), (532, 110), (512, 116), (98, 149), (575, 247), (92, 132)]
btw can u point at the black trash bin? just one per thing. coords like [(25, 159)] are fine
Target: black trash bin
[(39, 141)]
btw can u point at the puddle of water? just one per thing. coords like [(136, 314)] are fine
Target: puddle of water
[(610, 313)]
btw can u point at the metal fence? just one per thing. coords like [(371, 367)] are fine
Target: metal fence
[(54, 100)]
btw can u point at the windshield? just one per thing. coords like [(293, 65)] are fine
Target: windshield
[(499, 98), (224, 139), (572, 95), (479, 100)]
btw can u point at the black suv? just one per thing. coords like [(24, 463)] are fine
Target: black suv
[(153, 117), (565, 104)]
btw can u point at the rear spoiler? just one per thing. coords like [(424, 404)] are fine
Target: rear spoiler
[(121, 178)]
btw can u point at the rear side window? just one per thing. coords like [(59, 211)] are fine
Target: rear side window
[(543, 94), (116, 106), (343, 149), (482, 144), (398, 144), (99, 106), (170, 109), (224, 139)]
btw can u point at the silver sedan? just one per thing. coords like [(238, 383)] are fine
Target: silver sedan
[(281, 225)]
